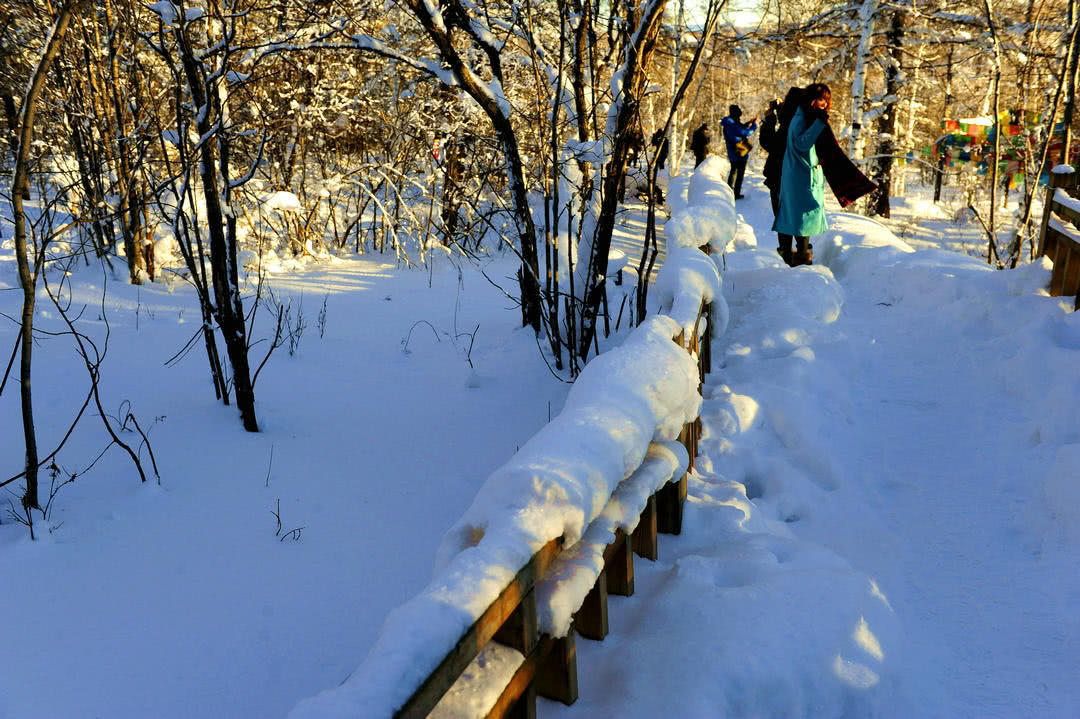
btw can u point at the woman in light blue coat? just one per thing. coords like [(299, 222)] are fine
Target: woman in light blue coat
[(802, 182)]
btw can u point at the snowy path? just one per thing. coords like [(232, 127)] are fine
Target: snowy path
[(874, 531), (945, 535)]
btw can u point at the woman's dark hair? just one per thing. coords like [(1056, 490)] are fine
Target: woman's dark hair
[(816, 91), (792, 101)]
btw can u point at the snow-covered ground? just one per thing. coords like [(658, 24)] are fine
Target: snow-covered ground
[(885, 524), (887, 520)]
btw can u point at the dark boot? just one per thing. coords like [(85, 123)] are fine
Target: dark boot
[(804, 252), (784, 250)]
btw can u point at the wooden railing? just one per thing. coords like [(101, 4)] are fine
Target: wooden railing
[(1059, 238), (521, 645), (550, 666)]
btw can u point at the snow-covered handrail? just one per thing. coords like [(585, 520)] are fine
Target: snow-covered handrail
[(1059, 238), (553, 531)]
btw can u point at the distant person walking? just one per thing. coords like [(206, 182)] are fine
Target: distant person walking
[(660, 142), (737, 137), (811, 157)]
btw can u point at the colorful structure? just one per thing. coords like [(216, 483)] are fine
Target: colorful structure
[(972, 141)]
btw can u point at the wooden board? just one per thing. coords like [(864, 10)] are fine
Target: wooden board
[(479, 634)]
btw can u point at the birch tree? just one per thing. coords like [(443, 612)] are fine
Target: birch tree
[(863, 57), (887, 116), (991, 231)]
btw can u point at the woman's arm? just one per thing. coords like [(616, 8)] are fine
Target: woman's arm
[(804, 140)]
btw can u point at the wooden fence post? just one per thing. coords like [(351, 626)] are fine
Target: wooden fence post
[(619, 566), (521, 630), (557, 678), (1057, 179), (591, 619), (644, 537)]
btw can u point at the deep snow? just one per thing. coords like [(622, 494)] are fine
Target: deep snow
[(885, 523)]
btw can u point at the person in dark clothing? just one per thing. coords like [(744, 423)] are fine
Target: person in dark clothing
[(736, 135), (774, 141), (660, 142), (770, 143), (699, 143)]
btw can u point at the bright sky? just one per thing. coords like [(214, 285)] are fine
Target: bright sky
[(744, 12)]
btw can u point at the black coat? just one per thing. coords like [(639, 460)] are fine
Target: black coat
[(846, 181), (699, 143), (774, 143)]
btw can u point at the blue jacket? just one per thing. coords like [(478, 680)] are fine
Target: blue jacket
[(802, 182), (733, 132)]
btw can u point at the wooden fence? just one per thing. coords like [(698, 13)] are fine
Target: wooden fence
[(550, 665), (1059, 237)]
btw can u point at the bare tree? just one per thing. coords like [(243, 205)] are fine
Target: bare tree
[(25, 255)]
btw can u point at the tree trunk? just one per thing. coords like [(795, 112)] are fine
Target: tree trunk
[(12, 116), (1017, 243), (635, 80), (674, 159), (452, 173), (1072, 67), (438, 31), (221, 229), (945, 116), (886, 126), (991, 249), (28, 278), (864, 55)]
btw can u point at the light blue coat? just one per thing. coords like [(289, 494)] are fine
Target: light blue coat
[(802, 182)]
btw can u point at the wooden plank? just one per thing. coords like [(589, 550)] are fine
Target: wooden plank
[(521, 630), (557, 677), (1053, 251), (644, 536), (1061, 259), (706, 351), (696, 348), (693, 449), (518, 700), (427, 695), (688, 439), (1071, 273), (1067, 213), (1048, 242), (1056, 180), (619, 566), (591, 619), (671, 500)]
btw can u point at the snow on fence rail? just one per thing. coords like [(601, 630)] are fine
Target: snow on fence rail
[(1060, 236), (553, 531)]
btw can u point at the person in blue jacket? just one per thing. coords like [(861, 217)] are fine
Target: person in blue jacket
[(802, 182), (735, 132)]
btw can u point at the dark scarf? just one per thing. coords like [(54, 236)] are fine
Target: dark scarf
[(845, 180)]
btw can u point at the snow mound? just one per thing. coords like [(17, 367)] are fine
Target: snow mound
[(282, 201), (707, 217)]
